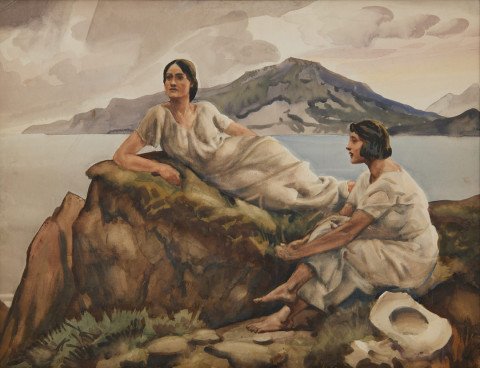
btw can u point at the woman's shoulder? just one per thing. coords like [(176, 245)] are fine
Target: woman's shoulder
[(364, 177), (206, 106), (159, 110), (400, 182)]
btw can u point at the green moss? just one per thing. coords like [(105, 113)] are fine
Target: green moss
[(197, 201)]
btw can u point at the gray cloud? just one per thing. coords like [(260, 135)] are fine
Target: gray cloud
[(36, 98), (358, 53), (360, 29), (17, 13), (366, 23), (385, 14), (221, 47), (119, 42), (161, 25), (452, 27), (413, 27), (80, 30), (65, 71)]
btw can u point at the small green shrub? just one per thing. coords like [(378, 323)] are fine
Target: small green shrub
[(81, 343), (337, 332)]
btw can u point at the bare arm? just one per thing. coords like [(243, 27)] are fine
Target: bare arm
[(126, 157), (235, 129), (347, 210), (336, 238)]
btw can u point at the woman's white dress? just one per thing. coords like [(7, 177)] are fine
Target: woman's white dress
[(257, 169), (398, 250)]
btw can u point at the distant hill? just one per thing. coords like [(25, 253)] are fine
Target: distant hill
[(293, 97), (465, 124), (452, 105)]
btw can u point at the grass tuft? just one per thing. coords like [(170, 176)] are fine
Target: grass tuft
[(81, 343)]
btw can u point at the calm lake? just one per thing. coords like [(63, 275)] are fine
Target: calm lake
[(36, 171)]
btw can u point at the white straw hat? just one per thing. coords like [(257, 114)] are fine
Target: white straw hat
[(416, 330)]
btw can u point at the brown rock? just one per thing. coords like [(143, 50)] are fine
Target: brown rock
[(3, 314), (135, 357), (167, 350), (247, 355), (263, 339), (204, 337), (42, 298), (140, 242)]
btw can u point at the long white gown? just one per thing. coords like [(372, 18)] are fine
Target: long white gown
[(398, 250), (257, 169)]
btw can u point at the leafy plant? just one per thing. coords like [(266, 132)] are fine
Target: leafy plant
[(82, 342), (337, 332)]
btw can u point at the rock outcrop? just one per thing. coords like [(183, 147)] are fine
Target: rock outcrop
[(139, 243), (47, 285), (3, 314)]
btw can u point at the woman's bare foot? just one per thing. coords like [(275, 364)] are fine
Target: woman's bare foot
[(274, 322), (287, 292), (281, 293)]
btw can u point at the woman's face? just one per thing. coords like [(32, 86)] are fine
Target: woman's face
[(176, 84), (353, 147)]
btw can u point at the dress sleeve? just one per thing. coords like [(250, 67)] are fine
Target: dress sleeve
[(354, 195), (352, 198), (221, 121), (380, 197), (149, 128)]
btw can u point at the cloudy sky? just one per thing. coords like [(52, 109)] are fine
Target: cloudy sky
[(58, 58)]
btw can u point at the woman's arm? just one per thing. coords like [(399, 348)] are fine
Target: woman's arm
[(336, 238), (347, 210), (126, 157), (235, 129)]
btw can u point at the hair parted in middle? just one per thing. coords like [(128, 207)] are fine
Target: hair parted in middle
[(190, 71), (375, 137)]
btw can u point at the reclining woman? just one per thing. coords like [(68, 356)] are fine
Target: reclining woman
[(381, 238), (257, 169)]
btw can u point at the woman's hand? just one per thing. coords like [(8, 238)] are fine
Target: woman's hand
[(350, 185), (284, 252), (167, 172)]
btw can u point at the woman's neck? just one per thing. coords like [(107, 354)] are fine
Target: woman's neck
[(181, 104), (378, 166)]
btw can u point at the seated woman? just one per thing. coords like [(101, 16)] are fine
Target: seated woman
[(257, 169), (382, 238)]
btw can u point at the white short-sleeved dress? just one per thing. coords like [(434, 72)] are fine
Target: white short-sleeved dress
[(399, 249), (257, 169)]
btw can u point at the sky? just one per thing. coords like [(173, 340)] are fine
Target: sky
[(59, 58)]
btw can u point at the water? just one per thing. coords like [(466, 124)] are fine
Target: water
[(36, 171), (445, 167)]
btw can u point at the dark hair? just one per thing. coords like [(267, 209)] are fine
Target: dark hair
[(376, 140), (189, 69)]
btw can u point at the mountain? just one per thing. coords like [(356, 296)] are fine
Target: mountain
[(293, 97), (465, 124), (452, 105)]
